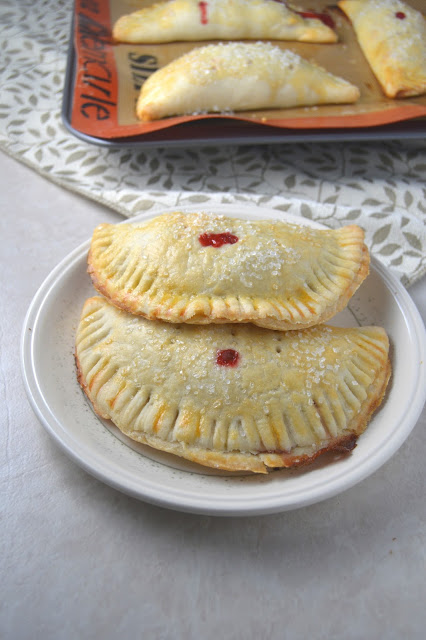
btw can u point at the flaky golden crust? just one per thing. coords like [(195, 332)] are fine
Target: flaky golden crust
[(392, 36), (291, 396), (239, 76), (277, 276), (186, 20)]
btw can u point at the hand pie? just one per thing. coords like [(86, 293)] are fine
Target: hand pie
[(236, 77), (235, 398), (183, 20), (204, 268), (392, 36)]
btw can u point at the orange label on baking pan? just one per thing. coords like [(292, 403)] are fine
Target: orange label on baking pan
[(95, 89), (109, 75)]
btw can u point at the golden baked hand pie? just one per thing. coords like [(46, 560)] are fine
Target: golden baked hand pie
[(392, 36), (185, 20), (239, 76), (204, 268), (231, 397)]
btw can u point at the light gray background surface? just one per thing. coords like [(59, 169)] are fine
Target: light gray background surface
[(80, 560)]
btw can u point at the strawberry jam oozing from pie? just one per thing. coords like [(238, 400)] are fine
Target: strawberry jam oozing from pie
[(203, 12), (227, 357), (400, 15), (324, 17), (217, 239)]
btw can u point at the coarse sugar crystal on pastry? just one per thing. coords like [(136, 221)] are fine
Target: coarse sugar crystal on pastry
[(203, 268), (186, 20), (239, 76), (231, 397), (392, 36)]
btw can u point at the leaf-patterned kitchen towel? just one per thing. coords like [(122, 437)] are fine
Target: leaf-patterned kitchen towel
[(378, 185)]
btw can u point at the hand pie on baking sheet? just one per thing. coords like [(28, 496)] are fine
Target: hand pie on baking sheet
[(231, 397), (237, 77), (188, 20), (203, 268), (392, 36)]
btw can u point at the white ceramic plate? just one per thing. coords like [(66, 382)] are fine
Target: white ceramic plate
[(47, 350)]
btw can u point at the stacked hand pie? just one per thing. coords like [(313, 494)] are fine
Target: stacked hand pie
[(207, 340)]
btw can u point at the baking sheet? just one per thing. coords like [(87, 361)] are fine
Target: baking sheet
[(104, 79)]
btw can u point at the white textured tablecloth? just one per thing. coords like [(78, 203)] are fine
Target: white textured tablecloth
[(380, 185)]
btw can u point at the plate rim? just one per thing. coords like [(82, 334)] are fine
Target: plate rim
[(192, 502)]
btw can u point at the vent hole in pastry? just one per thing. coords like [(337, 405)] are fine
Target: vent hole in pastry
[(227, 357), (217, 239), (278, 349)]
